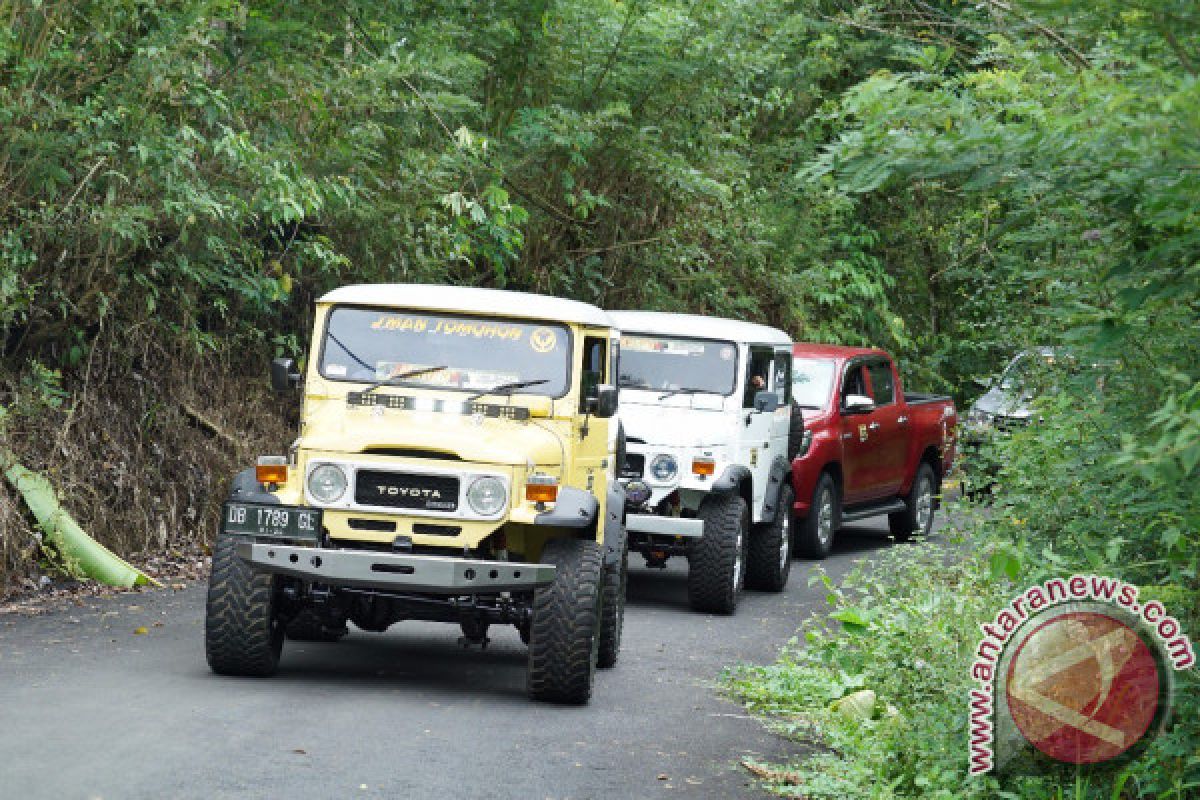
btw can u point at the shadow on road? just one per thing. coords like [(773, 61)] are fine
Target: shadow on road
[(411, 660), (667, 588)]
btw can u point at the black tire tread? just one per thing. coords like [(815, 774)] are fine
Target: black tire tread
[(711, 558), (241, 634), (564, 634)]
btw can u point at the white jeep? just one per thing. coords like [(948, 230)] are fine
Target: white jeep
[(710, 434)]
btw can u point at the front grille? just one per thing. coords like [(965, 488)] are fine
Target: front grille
[(634, 466), (425, 529), (371, 525), (406, 490)]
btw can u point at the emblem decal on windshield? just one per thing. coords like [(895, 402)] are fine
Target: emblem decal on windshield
[(543, 340)]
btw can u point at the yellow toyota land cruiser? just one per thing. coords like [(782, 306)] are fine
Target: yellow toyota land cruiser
[(456, 462)]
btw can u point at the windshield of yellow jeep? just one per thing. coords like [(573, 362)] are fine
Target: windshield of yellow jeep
[(446, 351)]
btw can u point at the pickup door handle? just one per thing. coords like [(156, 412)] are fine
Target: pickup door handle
[(902, 420), (874, 426)]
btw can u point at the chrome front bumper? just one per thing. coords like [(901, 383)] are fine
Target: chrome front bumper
[(665, 526), (396, 571)]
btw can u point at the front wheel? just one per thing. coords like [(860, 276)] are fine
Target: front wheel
[(917, 517), (770, 561), (814, 536), (717, 561), (564, 636), (243, 634)]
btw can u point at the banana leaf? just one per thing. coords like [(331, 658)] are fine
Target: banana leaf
[(63, 533)]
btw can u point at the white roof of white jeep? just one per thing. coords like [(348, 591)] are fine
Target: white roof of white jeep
[(664, 324), (470, 300)]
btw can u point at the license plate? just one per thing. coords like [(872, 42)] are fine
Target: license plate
[(275, 522)]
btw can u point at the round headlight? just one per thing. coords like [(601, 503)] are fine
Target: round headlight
[(664, 468), (327, 483), (487, 496)]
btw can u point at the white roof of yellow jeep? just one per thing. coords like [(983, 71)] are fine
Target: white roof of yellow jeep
[(664, 324), (469, 300)]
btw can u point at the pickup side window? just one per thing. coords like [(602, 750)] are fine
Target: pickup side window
[(854, 382), (595, 349), (758, 373), (883, 388)]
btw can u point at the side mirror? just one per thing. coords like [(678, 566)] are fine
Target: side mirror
[(980, 383), (766, 400), (603, 402), (284, 375), (858, 404)]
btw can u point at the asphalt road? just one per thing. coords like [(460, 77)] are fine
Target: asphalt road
[(89, 709)]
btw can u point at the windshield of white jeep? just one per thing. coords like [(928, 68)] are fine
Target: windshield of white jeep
[(672, 364), (812, 382), (445, 351)]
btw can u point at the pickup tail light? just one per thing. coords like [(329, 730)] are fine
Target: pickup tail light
[(704, 466), (541, 489), (271, 469)]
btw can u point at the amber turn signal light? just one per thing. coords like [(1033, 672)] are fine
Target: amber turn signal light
[(271, 469), (541, 492), (703, 466)]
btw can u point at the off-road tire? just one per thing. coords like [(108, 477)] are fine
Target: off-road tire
[(308, 626), (612, 615), (716, 561), (242, 631), (795, 433), (917, 517), (816, 532), (770, 558), (564, 637)]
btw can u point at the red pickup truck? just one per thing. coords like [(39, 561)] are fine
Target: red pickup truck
[(869, 448)]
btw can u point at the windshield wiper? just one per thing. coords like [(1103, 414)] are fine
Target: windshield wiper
[(684, 390), (392, 379), (508, 388)]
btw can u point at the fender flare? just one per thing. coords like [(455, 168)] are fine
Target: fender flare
[(731, 479), (780, 470), (614, 524), (574, 508)]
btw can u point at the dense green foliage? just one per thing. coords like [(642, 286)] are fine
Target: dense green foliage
[(952, 181)]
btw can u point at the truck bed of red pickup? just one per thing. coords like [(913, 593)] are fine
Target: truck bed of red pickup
[(869, 447)]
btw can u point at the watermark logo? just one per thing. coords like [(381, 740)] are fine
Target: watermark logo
[(1076, 668)]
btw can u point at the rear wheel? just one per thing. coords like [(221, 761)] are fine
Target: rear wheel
[(917, 517), (612, 615), (814, 535), (242, 631), (770, 560), (564, 637), (717, 561)]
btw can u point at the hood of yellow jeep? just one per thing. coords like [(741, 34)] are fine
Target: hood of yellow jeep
[(332, 427)]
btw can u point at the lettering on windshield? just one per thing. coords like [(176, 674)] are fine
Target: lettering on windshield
[(452, 327)]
